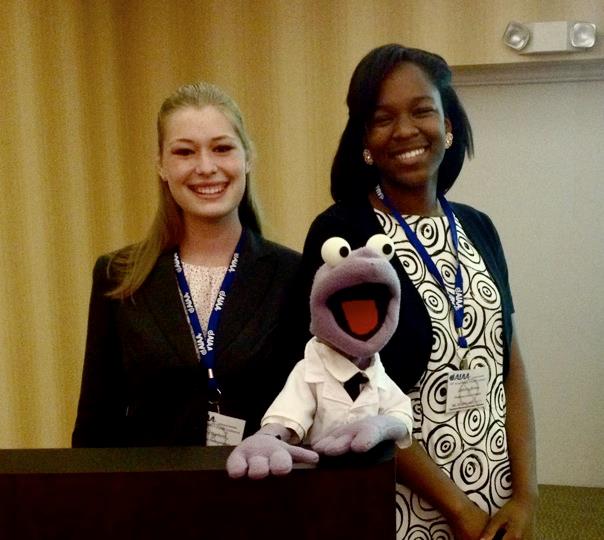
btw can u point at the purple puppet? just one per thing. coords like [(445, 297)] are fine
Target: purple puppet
[(338, 398)]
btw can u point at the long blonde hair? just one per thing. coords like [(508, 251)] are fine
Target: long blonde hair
[(130, 267)]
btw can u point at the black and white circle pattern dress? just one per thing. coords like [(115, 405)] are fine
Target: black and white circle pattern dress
[(469, 446)]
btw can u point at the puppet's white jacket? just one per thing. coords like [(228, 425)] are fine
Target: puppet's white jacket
[(313, 401)]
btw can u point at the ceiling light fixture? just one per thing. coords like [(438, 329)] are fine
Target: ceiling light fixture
[(550, 37)]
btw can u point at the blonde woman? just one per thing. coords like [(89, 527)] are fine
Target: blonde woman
[(184, 326)]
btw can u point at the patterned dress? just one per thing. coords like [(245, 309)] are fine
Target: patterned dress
[(469, 446)]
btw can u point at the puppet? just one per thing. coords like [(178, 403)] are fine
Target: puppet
[(338, 398)]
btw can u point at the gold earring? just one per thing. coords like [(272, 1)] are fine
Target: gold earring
[(367, 157), (448, 140)]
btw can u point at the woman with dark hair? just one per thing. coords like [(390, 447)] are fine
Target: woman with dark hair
[(185, 325), (470, 472)]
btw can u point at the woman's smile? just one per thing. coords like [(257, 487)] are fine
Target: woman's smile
[(410, 156), (209, 190)]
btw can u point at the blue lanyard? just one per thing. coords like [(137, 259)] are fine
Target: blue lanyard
[(206, 344), (455, 298)]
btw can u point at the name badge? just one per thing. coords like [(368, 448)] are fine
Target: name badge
[(224, 430), (467, 389)]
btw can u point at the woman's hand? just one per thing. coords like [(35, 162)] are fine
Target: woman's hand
[(469, 522), (418, 471), (516, 518)]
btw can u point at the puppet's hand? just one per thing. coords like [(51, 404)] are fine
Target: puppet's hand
[(361, 436), (262, 454)]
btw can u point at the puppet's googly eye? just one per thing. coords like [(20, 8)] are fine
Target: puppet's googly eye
[(382, 245), (335, 250)]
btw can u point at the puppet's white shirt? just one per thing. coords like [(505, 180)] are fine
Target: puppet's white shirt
[(313, 401)]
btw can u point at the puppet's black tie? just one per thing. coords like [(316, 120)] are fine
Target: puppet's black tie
[(353, 385)]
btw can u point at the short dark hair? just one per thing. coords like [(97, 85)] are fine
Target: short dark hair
[(351, 177)]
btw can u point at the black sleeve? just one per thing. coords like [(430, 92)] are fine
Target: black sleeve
[(501, 265), (483, 234), (287, 344), (102, 408)]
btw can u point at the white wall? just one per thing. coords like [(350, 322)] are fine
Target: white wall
[(539, 173)]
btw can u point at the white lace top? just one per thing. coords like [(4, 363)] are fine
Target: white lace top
[(204, 283)]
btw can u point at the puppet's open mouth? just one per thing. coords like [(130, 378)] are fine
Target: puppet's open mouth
[(360, 310)]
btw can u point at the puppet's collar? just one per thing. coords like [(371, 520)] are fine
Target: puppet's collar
[(320, 358)]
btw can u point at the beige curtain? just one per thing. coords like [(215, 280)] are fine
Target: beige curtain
[(81, 81)]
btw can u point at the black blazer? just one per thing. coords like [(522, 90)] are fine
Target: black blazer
[(142, 383)]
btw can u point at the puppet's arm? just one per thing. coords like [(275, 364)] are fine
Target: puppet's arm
[(393, 422), (268, 451), (362, 435)]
